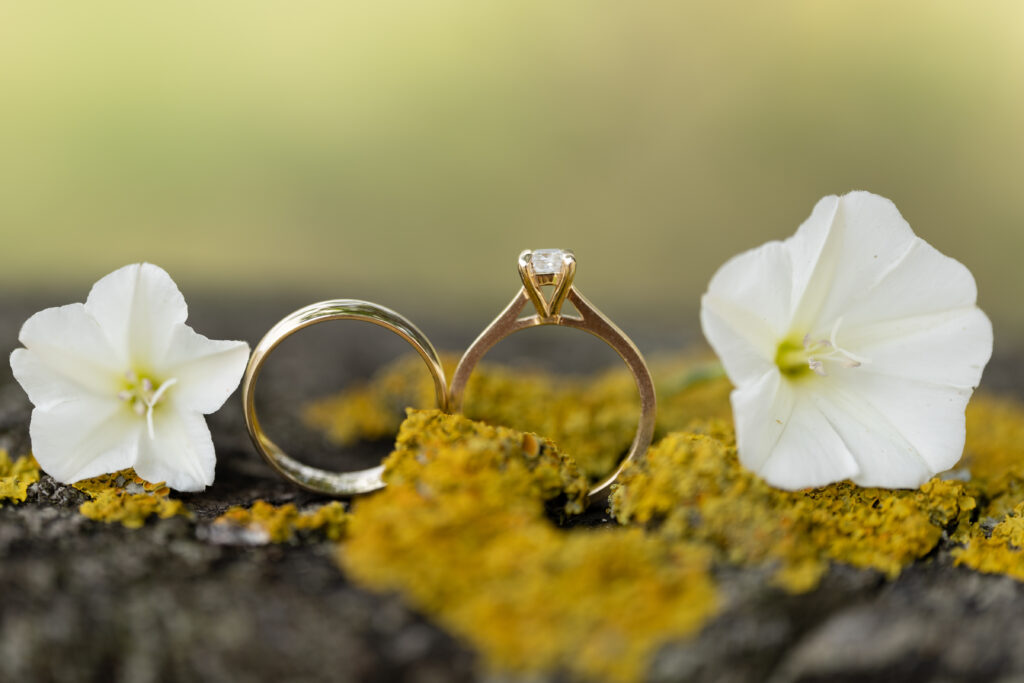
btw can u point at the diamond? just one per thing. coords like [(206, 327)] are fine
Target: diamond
[(547, 261)]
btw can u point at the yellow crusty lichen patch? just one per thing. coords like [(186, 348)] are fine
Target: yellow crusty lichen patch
[(467, 448), (281, 524), (460, 530), (994, 456), (994, 453), (126, 498), (690, 491), (592, 419), (691, 487), (699, 492), (1000, 552), (373, 410), (689, 388), (16, 476)]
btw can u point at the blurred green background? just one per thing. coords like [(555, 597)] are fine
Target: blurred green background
[(406, 152)]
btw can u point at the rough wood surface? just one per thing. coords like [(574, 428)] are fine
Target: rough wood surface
[(84, 601)]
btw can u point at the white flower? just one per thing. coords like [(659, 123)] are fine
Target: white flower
[(854, 347), (121, 381)]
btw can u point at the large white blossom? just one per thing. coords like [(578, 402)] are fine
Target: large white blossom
[(854, 347), (121, 381)]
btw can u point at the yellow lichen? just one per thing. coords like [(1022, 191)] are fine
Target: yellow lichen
[(373, 410), (281, 524), (460, 531), (330, 520), (994, 453), (691, 487), (469, 448), (1000, 552), (126, 498), (591, 419), (689, 388), (16, 476), (994, 456)]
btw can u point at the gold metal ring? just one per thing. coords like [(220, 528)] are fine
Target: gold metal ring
[(557, 268), (312, 478)]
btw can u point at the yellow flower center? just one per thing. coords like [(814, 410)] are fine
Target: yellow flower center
[(793, 359), (142, 394), (797, 359)]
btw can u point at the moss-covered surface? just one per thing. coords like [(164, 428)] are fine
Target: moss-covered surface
[(461, 532), (267, 523), (127, 499), (691, 487), (592, 418), (463, 495), (995, 459), (480, 527), (994, 453), (585, 416), (16, 476), (998, 551), (372, 410)]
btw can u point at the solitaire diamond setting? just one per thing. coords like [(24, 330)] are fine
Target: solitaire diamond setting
[(547, 261), (547, 268)]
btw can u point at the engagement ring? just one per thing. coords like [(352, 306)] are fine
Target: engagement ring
[(557, 268)]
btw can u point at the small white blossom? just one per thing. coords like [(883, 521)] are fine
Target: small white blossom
[(121, 381), (854, 347)]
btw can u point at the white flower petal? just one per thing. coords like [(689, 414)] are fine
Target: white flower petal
[(950, 348), (181, 454), (889, 326), (67, 354), (813, 254), (928, 418), (865, 240), (762, 410), (809, 453), (81, 438), (138, 307), (207, 370), (118, 382), (884, 455), (924, 282), (746, 309)]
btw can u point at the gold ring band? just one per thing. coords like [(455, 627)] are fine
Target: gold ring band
[(312, 478), (557, 268)]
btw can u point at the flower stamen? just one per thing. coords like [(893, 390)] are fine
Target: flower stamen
[(143, 398), (796, 359), (852, 359)]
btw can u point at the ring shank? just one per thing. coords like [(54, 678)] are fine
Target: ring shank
[(312, 478), (591, 321)]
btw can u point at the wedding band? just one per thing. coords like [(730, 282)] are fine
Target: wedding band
[(312, 478), (557, 267)]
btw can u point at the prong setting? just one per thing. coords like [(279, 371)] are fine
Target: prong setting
[(541, 267)]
